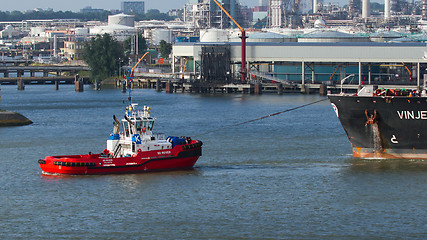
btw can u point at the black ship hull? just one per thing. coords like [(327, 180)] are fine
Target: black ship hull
[(382, 126)]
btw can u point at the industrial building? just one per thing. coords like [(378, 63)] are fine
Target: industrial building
[(206, 14), (308, 62)]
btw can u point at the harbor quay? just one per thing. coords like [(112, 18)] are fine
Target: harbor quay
[(194, 86), (170, 84)]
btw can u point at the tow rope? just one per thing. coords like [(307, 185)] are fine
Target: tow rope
[(260, 118)]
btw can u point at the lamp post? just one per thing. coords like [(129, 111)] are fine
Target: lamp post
[(119, 71)]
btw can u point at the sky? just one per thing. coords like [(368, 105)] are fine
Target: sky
[(76, 5)]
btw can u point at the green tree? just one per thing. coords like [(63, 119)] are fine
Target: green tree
[(165, 49), (157, 15), (103, 54), (142, 44)]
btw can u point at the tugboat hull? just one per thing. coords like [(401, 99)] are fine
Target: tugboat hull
[(179, 157), (383, 126)]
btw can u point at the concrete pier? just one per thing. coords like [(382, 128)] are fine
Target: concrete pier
[(20, 84), (78, 83), (158, 85), (169, 87)]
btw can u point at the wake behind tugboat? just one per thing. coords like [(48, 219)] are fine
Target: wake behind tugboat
[(384, 123)]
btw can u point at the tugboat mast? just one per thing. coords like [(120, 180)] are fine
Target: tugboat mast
[(130, 76)]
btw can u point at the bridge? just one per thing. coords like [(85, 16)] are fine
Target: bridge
[(15, 62), (58, 69), (40, 80)]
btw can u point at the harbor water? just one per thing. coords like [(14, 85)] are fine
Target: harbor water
[(289, 176)]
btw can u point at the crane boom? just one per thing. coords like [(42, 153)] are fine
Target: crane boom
[(131, 72)]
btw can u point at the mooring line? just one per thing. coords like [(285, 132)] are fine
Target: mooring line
[(260, 118)]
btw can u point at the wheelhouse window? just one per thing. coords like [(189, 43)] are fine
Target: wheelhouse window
[(126, 129), (139, 126), (150, 125)]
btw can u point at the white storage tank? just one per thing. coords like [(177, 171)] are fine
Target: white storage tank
[(158, 35), (37, 31), (331, 37), (265, 37), (214, 35), (81, 31), (320, 23), (385, 36), (122, 19)]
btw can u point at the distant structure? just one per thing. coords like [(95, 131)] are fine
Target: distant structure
[(121, 19), (366, 9), (276, 9), (287, 13), (263, 3), (354, 8), (387, 9), (361, 8), (260, 12), (133, 7), (315, 6), (305, 6), (120, 26), (206, 14), (424, 9), (89, 9)]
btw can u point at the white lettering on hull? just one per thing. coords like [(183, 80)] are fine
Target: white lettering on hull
[(412, 115), (394, 139), (164, 152)]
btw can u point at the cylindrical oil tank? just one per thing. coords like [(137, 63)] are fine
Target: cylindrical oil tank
[(385, 36), (266, 37), (157, 35), (331, 36), (37, 31), (214, 35), (122, 19), (81, 31), (320, 23)]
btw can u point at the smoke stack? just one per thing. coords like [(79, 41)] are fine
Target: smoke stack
[(315, 6), (424, 10), (387, 9), (366, 9)]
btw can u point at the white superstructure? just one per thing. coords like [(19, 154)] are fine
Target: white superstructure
[(137, 134)]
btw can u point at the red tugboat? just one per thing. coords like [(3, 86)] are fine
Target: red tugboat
[(134, 149)]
